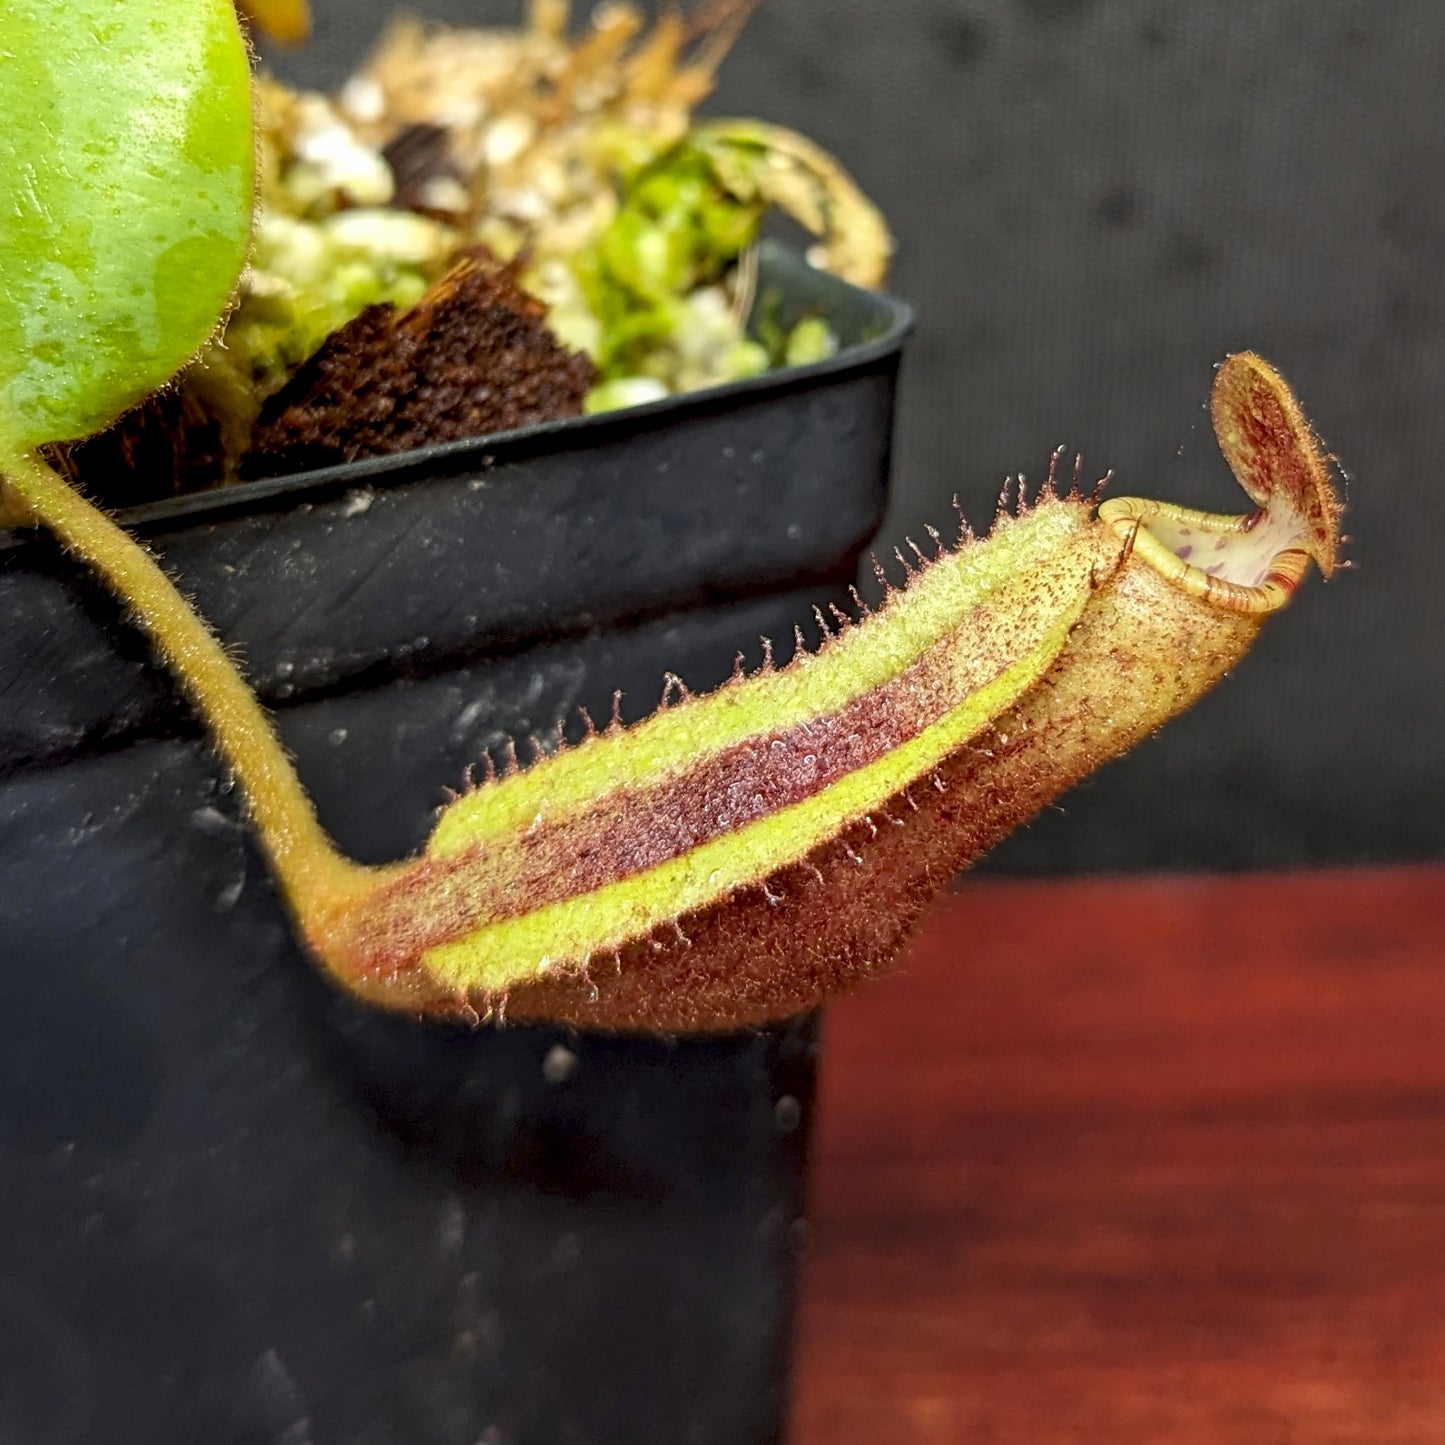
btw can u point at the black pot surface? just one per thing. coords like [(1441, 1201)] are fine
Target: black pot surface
[(236, 1207)]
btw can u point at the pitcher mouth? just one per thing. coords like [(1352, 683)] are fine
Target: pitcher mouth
[(1252, 563), (1255, 562)]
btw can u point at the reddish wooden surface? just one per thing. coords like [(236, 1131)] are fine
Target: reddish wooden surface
[(1138, 1161)]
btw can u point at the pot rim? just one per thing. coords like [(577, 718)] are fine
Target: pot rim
[(895, 320)]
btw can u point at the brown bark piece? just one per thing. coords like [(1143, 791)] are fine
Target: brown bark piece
[(473, 357), (168, 445)]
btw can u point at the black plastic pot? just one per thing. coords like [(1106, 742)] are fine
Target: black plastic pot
[(236, 1207)]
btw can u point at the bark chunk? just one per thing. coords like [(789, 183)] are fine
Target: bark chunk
[(473, 357)]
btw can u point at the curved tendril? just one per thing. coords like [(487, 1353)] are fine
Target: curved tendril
[(313, 873)]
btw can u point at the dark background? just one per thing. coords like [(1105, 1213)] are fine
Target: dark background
[(1096, 200)]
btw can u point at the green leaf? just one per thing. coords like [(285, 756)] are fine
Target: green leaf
[(126, 160)]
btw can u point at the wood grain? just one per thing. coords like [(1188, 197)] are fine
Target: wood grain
[(1138, 1161)]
